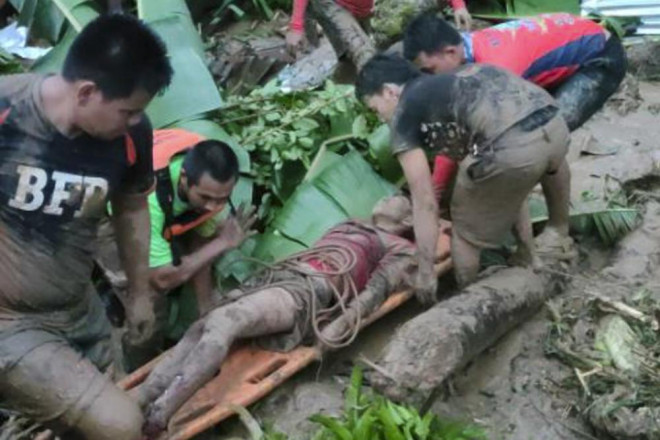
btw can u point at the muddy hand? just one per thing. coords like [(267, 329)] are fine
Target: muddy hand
[(294, 41), (140, 320), (463, 19), (236, 228), (426, 284)]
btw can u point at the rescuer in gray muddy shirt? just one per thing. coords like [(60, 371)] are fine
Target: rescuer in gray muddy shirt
[(70, 143), (506, 135)]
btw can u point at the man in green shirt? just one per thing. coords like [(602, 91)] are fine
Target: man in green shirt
[(195, 181)]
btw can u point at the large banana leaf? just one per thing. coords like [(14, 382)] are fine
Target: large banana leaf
[(193, 90), (153, 10), (609, 223), (272, 246), (380, 149), (346, 188), (501, 9), (308, 214), (353, 185), (78, 13), (53, 61), (42, 17)]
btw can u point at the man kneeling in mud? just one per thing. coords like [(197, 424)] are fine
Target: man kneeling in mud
[(292, 300), (505, 133)]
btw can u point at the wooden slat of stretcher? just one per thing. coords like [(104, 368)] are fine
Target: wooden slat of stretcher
[(249, 373)]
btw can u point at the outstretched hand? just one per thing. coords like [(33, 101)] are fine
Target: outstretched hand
[(426, 285), (140, 320), (294, 41), (237, 227), (463, 19)]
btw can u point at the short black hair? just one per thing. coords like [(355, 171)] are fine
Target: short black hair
[(213, 157), (120, 54), (382, 69), (428, 33)]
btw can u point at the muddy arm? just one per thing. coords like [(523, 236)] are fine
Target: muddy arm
[(132, 226), (167, 277)]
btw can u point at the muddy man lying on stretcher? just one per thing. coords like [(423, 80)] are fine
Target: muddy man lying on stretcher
[(353, 267)]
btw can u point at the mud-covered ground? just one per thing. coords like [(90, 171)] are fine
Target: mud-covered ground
[(513, 389)]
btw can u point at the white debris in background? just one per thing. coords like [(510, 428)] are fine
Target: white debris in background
[(647, 10), (310, 71), (13, 39)]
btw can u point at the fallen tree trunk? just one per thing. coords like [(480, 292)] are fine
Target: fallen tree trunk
[(431, 346), (344, 32)]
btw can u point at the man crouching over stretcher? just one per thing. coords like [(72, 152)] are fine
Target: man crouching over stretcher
[(291, 301)]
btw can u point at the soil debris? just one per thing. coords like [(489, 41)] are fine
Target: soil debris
[(627, 99)]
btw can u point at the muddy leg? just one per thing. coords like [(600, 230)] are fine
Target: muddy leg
[(557, 190), (265, 312), (165, 371), (466, 260), (52, 383), (522, 230)]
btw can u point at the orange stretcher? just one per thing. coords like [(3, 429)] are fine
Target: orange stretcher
[(250, 373)]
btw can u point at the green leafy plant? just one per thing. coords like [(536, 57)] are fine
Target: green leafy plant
[(520, 8), (284, 131), (368, 416), (609, 216), (9, 64), (337, 188), (617, 25)]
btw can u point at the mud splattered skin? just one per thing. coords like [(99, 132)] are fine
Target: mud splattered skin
[(463, 112)]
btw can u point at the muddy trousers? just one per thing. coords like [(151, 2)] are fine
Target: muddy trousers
[(49, 376), (586, 91)]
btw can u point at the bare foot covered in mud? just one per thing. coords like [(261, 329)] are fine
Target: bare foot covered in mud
[(524, 257), (553, 245)]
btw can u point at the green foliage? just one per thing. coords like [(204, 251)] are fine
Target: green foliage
[(616, 25), (284, 131), (9, 64), (521, 8), (607, 216), (373, 417), (346, 187), (43, 18)]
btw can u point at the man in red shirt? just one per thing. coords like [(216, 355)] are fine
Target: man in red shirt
[(361, 10), (577, 60)]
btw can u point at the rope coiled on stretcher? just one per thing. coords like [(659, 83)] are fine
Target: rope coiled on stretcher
[(337, 263)]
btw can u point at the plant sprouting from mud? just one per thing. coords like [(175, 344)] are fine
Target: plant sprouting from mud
[(368, 416)]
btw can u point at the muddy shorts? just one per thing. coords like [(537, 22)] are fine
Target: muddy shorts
[(585, 92), (50, 373), (297, 285), (490, 189)]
